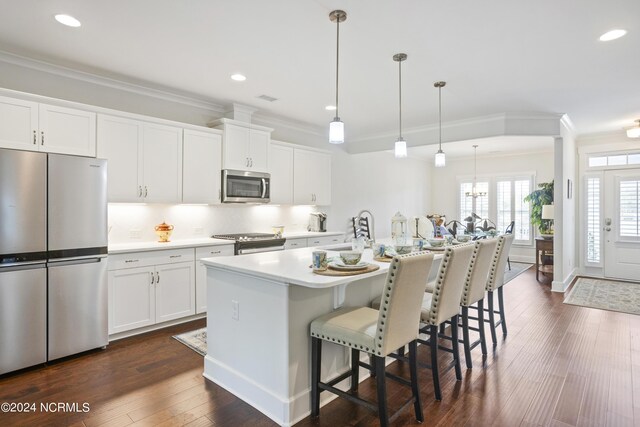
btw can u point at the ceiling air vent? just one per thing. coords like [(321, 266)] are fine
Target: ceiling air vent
[(267, 98)]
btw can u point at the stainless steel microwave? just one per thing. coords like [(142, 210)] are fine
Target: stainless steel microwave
[(245, 186)]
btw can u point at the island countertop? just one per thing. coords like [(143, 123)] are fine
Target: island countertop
[(290, 267)]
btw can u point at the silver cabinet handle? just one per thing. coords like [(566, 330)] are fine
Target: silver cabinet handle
[(214, 252), (251, 161), (145, 191), (157, 278), (246, 162), (35, 138), (130, 260), (175, 256), (42, 138), (152, 278), (139, 190)]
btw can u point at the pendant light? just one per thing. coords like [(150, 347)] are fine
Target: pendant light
[(336, 127), (400, 149), (440, 158), (474, 193), (634, 132)]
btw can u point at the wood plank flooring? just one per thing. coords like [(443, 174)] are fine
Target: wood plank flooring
[(560, 365)]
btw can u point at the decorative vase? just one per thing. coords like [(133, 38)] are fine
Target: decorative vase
[(164, 231)]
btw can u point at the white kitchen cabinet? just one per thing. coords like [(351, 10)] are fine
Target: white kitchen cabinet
[(201, 271), (325, 240), (281, 170), (311, 177), (300, 242), (145, 160), (201, 166), (151, 287), (40, 127), (244, 146)]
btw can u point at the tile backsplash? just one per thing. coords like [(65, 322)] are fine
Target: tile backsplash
[(136, 222)]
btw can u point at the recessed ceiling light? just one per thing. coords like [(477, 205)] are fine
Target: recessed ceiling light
[(238, 77), (612, 35), (330, 107), (67, 20)]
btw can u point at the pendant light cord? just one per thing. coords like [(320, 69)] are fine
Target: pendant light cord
[(337, 60), (400, 96), (440, 117)]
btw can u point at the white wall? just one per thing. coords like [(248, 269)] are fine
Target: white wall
[(444, 192), (380, 183)]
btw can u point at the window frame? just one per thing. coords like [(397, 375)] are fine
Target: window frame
[(585, 218)]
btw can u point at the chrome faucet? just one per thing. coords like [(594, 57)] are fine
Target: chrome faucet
[(372, 226)]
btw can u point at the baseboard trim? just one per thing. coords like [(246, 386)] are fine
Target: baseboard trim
[(563, 285), (133, 332)]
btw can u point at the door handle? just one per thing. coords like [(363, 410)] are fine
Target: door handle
[(607, 221), (157, 278), (42, 138), (153, 278), (35, 138), (139, 190), (145, 191), (246, 162), (250, 161), (264, 187)]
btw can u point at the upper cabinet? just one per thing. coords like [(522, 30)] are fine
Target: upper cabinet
[(244, 146), (202, 162), (145, 160), (281, 170), (311, 177), (40, 127)]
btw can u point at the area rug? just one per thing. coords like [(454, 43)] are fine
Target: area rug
[(195, 340), (517, 268), (610, 295)]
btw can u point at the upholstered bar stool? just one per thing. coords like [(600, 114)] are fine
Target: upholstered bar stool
[(495, 282), (376, 332), (473, 293)]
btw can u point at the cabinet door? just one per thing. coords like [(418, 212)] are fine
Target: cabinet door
[(295, 243), (259, 150), (120, 142), (132, 302), (322, 179), (304, 168), (201, 166), (175, 291), (201, 272), (67, 131), (281, 170), (235, 151), (19, 124), (162, 163)]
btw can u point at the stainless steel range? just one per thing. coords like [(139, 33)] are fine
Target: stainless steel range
[(251, 243)]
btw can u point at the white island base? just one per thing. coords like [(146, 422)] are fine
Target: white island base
[(260, 307)]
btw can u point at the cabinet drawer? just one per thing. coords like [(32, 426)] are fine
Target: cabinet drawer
[(295, 243), (213, 251), (148, 258), (325, 240)]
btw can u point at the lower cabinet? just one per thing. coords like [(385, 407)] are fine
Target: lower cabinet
[(300, 242), (325, 240), (201, 271), (151, 287)]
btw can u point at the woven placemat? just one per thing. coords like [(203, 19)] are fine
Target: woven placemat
[(385, 259), (331, 272)]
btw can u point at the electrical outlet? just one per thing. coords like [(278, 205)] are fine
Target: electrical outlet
[(135, 233), (235, 310)]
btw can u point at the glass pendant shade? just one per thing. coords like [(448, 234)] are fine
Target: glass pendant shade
[(336, 131), (400, 150), (440, 159), (634, 132)]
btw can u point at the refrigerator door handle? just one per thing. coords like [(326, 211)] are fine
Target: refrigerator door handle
[(78, 260), (17, 266)]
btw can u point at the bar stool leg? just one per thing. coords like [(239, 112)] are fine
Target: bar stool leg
[(413, 367), (492, 319), (355, 370), (483, 340), (433, 340), (501, 309), (455, 347), (383, 413), (372, 363), (465, 337), (316, 357)]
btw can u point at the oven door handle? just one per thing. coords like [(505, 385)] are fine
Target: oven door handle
[(259, 250), (264, 187)]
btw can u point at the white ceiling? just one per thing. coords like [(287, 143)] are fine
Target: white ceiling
[(496, 56), (496, 146)]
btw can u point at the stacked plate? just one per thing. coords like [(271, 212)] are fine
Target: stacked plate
[(339, 265)]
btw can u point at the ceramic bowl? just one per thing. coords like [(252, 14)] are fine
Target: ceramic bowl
[(547, 236), (350, 257), (436, 243), (463, 238), (403, 249)]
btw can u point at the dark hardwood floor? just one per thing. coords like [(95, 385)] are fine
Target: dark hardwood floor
[(560, 365)]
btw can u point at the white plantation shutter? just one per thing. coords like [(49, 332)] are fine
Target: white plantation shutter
[(503, 201), (466, 203), (521, 215), (482, 203), (629, 208), (593, 219)]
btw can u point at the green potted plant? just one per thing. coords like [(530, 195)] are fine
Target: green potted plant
[(537, 199)]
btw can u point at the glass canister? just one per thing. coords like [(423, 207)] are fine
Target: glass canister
[(399, 228)]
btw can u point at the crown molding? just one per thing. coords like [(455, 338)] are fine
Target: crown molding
[(166, 94), (278, 122)]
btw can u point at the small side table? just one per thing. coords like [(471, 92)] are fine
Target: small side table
[(544, 247)]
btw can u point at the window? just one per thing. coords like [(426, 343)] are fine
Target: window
[(593, 219), (602, 160), (468, 204), (510, 206), (629, 208)]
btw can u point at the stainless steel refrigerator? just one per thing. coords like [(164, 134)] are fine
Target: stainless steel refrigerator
[(53, 257)]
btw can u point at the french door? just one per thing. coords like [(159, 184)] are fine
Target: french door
[(622, 224)]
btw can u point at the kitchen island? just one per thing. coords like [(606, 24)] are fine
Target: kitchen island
[(260, 307)]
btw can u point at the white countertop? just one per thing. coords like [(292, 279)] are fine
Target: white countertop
[(290, 267), (119, 248)]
